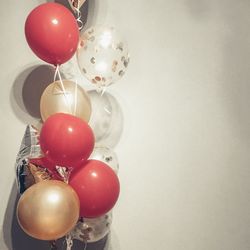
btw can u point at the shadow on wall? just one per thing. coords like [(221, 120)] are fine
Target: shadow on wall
[(15, 238), (106, 120), (199, 9), (27, 90)]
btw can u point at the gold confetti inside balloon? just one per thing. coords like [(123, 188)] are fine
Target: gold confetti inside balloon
[(67, 98), (102, 55), (48, 210), (92, 229)]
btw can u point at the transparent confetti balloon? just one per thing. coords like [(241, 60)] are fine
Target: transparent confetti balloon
[(92, 229), (102, 56), (107, 156)]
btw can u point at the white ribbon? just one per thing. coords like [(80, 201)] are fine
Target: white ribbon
[(76, 86), (69, 241), (79, 16), (57, 73)]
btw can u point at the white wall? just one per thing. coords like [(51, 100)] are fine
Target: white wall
[(184, 153)]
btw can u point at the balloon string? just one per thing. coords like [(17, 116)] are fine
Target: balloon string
[(85, 245), (75, 97), (78, 17), (69, 241), (60, 79), (53, 245), (103, 91), (57, 73)]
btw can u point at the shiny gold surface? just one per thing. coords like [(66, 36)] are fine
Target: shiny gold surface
[(48, 210), (38, 173), (69, 98)]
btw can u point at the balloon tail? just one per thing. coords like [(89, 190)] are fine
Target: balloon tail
[(69, 241), (64, 173), (57, 73), (101, 90)]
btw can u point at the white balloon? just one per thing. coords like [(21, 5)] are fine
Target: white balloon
[(106, 119)]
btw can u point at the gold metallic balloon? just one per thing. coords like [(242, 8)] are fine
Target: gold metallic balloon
[(48, 210), (67, 98)]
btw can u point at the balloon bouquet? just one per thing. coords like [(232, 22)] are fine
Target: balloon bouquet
[(65, 192)]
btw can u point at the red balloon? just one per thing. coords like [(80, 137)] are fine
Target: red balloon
[(43, 162), (52, 33), (66, 140), (97, 187)]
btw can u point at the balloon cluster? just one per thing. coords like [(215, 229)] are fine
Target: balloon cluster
[(66, 188)]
